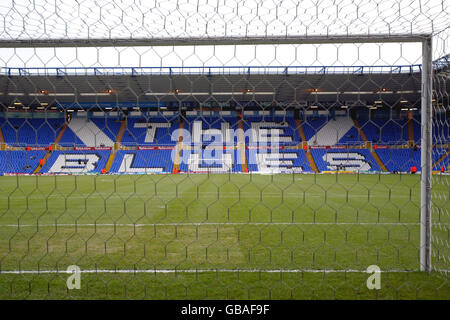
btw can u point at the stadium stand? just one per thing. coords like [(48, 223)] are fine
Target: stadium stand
[(399, 160), (14, 161), (26, 132), (150, 143)]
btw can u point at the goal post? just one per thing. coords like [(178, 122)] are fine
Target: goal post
[(426, 156), (426, 92)]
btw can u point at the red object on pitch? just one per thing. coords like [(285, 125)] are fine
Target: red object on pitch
[(246, 169), (103, 171), (413, 169), (442, 169), (175, 170)]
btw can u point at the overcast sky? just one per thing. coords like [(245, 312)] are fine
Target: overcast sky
[(70, 19)]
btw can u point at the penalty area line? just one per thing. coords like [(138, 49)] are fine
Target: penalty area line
[(168, 271), (174, 224)]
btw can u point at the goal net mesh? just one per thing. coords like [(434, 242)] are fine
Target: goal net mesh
[(441, 138), (220, 149)]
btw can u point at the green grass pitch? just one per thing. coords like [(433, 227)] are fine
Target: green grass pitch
[(227, 236)]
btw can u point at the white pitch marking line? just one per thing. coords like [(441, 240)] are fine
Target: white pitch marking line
[(201, 271), (221, 196), (205, 223)]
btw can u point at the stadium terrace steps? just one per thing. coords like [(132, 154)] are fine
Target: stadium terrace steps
[(441, 158), (44, 161), (311, 161), (373, 152), (110, 161), (360, 130), (241, 144), (89, 133), (300, 131), (178, 149), (378, 160), (49, 153), (2, 140), (411, 132), (60, 133), (308, 153), (112, 155), (123, 126), (331, 132)]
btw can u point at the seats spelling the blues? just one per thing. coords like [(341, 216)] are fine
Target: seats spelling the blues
[(274, 145), (139, 131), (345, 160), (142, 161), (74, 161)]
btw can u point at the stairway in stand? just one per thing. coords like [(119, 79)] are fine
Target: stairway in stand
[(55, 144)]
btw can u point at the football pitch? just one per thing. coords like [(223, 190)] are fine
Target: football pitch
[(216, 236)]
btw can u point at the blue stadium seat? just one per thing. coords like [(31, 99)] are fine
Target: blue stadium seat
[(20, 161)]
